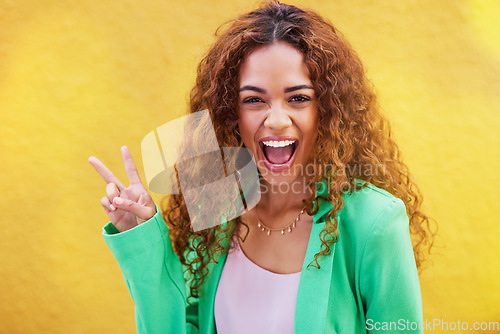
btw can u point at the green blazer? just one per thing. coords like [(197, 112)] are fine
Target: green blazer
[(369, 282)]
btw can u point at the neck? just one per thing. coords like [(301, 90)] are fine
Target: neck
[(276, 200)]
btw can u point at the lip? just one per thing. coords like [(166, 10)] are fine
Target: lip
[(275, 167)]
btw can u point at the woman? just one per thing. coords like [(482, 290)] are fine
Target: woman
[(327, 249)]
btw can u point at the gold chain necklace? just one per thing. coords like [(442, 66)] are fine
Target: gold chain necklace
[(289, 227)]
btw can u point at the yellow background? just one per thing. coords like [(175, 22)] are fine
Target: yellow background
[(83, 78)]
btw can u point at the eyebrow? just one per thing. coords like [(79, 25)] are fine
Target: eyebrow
[(263, 91)]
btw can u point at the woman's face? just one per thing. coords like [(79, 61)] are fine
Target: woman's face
[(277, 112)]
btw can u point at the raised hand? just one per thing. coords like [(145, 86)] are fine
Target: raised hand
[(129, 206)]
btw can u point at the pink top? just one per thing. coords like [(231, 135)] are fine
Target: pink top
[(251, 299)]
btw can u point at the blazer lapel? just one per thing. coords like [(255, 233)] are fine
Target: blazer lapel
[(314, 285), (207, 301)]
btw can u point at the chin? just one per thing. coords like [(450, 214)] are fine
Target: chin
[(280, 162), (283, 179)]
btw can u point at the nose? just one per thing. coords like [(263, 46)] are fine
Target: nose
[(277, 119)]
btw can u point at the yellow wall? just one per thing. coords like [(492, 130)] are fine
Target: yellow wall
[(83, 78)]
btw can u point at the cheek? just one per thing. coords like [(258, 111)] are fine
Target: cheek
[(310, 126), (248, 127)]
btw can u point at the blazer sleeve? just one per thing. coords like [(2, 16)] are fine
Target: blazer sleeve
[(154, 277), (389, 282)]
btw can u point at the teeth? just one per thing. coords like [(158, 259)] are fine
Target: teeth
[(281, 143)]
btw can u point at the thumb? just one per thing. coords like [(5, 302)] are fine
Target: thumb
[(144, 212)]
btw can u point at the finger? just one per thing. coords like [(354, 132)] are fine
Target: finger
[(130, 168), (141, 211), (112, 191), (106, 204), (105, 173)]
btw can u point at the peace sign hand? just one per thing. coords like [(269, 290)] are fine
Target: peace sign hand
[(126, 207)]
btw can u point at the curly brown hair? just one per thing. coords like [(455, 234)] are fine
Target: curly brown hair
[(353, 140)]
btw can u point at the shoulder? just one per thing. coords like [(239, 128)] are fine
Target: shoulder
[(370, 199), (369, 210)]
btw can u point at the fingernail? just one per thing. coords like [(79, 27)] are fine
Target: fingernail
[(118, 200), (112, 207)]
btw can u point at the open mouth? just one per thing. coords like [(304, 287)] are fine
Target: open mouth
[(278, 153)]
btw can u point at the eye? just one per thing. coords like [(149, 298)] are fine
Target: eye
[(299, 98), (252, 99)]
